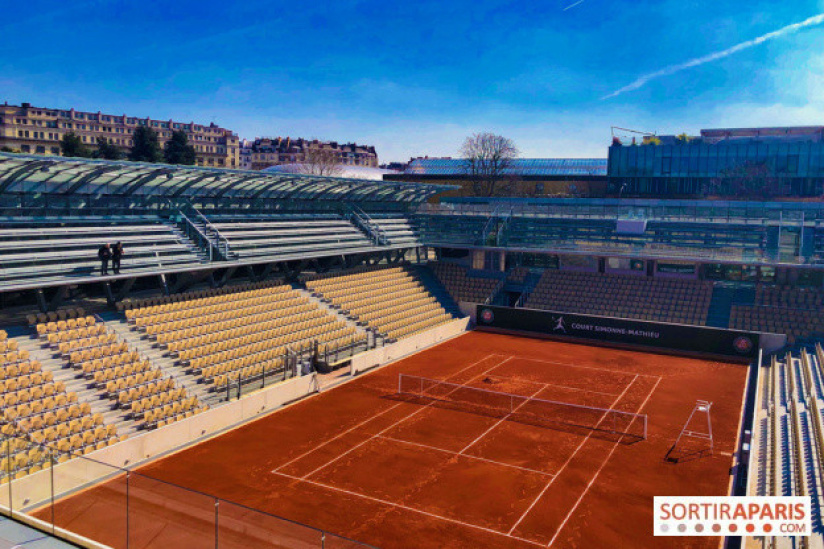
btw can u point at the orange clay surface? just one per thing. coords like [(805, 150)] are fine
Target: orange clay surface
[(360, 462)]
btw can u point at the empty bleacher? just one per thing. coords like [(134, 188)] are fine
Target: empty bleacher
[(251, 236), (795, 311), (789, 433), (463, 287), (42, 250), (36, 407), (389, 299), (117, 372), (239, 333), (623, 296), (396, 228)]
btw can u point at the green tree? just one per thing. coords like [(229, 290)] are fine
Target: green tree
[(653, 140), (683, 138), (146, 147), (178, 150), (71, 145), (106, 150), (6, 149)]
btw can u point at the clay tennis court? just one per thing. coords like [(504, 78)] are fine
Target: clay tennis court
[(393, 471)]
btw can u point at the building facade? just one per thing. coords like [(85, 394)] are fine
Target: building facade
[(266, 152), (526, 177), (747, 163), (38, 130)]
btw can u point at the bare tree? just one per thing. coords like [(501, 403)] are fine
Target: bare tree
[(318, 161), (487, 161)]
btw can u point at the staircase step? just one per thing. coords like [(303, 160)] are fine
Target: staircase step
[(159, 358), (75, 383)]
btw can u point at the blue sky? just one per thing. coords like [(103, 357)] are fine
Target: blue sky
[(415, 78)]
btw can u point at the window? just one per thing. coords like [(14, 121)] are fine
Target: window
[(55, 150)]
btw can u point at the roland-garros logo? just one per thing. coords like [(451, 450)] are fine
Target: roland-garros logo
[(487, 316), (732, 516)]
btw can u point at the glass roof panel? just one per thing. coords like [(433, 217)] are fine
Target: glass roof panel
[(38, 174)]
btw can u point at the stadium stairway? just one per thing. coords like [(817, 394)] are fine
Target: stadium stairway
[(52, 362), (195, 249), (159, 357), (331, 310), (718, 315), (434, 287)]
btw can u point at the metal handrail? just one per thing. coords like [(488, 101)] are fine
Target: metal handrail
[(191, 226), (218, 237)]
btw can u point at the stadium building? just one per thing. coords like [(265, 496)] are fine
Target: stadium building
[(286, 360), (534, 177), (758, 163)]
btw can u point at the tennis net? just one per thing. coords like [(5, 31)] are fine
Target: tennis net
[(524, 409)]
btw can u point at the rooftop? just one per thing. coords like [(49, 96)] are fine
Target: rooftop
[(35, 174)]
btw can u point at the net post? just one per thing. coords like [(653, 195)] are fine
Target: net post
[(420, 392), (400, 377)]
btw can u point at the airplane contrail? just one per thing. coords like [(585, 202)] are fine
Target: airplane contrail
[(569, 7), (672, 69)]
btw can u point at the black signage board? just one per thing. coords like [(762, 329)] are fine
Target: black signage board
[(733, 344)]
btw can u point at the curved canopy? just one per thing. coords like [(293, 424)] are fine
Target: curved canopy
[(57, 175)]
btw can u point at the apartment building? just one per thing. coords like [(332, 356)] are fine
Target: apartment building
[(265, 152), (38, 130)]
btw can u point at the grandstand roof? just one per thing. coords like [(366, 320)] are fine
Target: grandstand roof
[(520, 166), (57, 175)]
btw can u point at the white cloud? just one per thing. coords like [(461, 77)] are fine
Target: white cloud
[(698, 61)]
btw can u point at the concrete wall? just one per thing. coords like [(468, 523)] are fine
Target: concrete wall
[(772, 342), (404, 347), (469, 309)]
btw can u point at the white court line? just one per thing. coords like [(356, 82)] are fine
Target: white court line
[(482, 435), (412, 509), (408, 416), (558, 473), (524, 380), (471, 456), (586, 367), (598, 472), (361, 424)]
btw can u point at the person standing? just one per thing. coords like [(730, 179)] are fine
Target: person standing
[(117, 255), (104, 253)]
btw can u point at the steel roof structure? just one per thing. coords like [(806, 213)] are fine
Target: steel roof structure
[(35, 174)]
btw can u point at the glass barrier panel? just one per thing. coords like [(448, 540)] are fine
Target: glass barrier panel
[(240, 527), (90, 499), (163, 515)]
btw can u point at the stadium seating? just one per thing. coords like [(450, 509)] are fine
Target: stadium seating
[(45, 249), (791, 432), (118, 372), (397, 229), (390, 299), (224, 335), (463, 287), (37, 409), (639, 297), (795, 311), (279, 235), (517, 275)]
